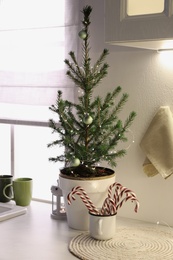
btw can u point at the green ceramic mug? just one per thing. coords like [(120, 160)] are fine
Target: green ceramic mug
[(22, 191), (5, 180)]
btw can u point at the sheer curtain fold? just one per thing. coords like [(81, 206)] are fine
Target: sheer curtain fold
[(35, 38)]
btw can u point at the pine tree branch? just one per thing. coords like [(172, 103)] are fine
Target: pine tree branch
[(97, 77), (78, 70), (100, 60), (74, 69), (129, 120), (60, 158)]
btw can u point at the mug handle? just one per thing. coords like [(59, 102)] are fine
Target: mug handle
[(100, 232), (10, 198)]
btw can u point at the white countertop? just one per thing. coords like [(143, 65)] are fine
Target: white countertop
[(36, 236)]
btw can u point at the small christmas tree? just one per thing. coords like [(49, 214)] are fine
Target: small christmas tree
[(90, 130)]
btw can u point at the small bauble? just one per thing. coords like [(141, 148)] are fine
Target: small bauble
[(88, 120), (82, 34), (75, 162)]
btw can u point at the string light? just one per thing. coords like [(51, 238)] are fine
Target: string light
[(132, 135), (80, 92), (158, 223)]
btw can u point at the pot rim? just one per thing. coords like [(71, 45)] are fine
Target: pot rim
[(109, 175)]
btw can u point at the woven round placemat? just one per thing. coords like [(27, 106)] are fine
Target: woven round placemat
[(128, 244)]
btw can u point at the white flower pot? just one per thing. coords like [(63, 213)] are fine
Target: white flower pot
[(96, 189)]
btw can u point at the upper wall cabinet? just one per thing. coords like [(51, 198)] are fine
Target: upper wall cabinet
[(139, 23)]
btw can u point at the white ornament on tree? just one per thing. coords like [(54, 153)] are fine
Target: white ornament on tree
[(82, 34), (75, 162), (88, 119)]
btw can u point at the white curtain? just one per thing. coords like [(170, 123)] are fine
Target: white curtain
[(35, 38)]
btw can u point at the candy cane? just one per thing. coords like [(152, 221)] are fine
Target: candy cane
[(74, 191), (119, 191), (78, 190), (127, 198), (127, 191), (105, 209), (109, 207), (118, 185), (115, 196), (88, 205), (112, 207), (137, 206)]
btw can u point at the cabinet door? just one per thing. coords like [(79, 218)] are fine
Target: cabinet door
[(149, 28)]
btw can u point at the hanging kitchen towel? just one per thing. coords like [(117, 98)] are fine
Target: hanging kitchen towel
[(157, 144)]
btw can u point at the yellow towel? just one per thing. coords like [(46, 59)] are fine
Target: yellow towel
[(157, 144)]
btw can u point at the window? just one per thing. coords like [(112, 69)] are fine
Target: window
[(31, 158), (5, 149), (31, 33), (35, 38), (24, 151), (143, 7)]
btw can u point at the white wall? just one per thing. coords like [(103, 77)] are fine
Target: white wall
[(149, 82)]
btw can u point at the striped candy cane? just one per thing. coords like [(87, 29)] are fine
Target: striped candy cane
[(119, 191), (126, 191), (109, 207), (78, 190), (129, 198), (117, 186)]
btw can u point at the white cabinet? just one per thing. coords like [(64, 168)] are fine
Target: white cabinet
[(139, 23)]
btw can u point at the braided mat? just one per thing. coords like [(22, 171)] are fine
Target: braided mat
[(128, 244)]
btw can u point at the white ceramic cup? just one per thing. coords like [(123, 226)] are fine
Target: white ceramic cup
[(102, 227)]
